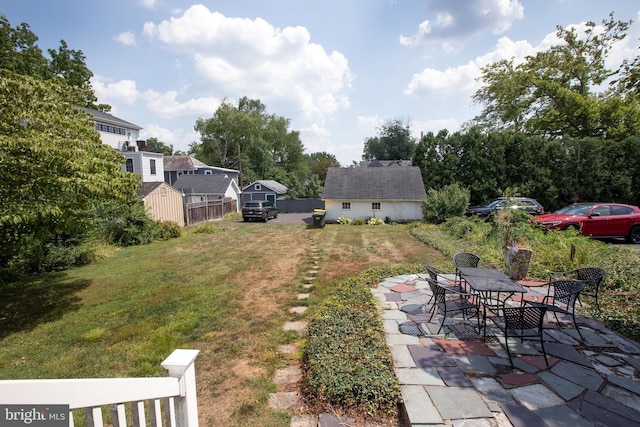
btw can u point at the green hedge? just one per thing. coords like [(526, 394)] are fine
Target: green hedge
[(348, 365)]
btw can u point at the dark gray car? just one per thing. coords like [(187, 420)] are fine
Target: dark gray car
[(489, 207), (259, 209)]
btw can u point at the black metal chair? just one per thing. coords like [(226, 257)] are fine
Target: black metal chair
[(592, 277), (448, 302), (464, 259), (561, 298), (522, 322), (445, 282)]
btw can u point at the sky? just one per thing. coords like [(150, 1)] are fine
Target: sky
[(338, 69)]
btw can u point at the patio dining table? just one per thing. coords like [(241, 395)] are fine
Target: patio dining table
[(493, 288)]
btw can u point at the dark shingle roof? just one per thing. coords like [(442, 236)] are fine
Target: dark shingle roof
[(271, 185), (188, 163), (203, 184), (384, 163), (374, 183), (147, 188), (103, 117)]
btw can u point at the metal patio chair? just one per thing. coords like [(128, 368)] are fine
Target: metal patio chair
[(561, 298), (522, 322), (592, 277), (448, 302)]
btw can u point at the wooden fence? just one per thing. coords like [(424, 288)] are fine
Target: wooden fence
[(195, 213)]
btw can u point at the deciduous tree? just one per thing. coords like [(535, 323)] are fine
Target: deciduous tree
[(55, 168), (394, 142)]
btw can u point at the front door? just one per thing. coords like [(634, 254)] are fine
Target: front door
[(271, 198)]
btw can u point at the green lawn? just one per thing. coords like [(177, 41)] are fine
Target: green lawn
[(227, 294)]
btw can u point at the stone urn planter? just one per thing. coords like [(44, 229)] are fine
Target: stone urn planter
[(516, 261)]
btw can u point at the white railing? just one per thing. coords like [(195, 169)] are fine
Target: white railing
[(170, 401)]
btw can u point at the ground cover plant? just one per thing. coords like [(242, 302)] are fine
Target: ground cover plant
[(226, 291), (552, 251), (347, 363)]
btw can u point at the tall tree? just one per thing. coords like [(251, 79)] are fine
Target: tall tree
[(18, 50), (56, 170), (19, 53), (320, 162), (394, 142), (247, 138), (156, 146), (553, 93)]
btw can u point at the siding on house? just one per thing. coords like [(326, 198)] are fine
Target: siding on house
[(113, 131), (383, 192), (202, 188), (142, 164), (264, 190), (163, 202), (176, 166)]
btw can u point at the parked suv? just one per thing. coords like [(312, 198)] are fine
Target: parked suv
[(260, 209), (489, 207)]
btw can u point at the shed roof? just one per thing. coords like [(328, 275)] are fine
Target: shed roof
[(147, 188), (376, 183), (203, 184), (270, 184)]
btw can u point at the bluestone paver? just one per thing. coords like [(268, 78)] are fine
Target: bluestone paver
[(418, 406), (590, 382), (418, 376), (585, 377), (536, 396), (565, 388), (458, 402)]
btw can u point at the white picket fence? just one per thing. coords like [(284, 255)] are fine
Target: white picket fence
[(170, 401)]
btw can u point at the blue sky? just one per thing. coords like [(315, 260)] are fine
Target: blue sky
[(337, 69)]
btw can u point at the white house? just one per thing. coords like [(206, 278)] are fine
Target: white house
[(393, 193), (117, 133), (124, 137)]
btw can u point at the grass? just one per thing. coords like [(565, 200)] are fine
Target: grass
[(226, 292)]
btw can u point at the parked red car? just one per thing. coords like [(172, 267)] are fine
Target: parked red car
[(601, 220)]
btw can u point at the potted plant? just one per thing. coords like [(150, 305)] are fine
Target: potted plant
[(517, 257)]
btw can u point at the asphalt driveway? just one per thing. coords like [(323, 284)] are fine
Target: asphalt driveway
[(293, 218)]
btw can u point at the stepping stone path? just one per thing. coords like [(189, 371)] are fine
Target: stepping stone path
[(288, 379)]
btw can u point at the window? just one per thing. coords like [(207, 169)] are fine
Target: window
[(258, 187), (375, 205), (129, 165), (152, 164), (346, 206)]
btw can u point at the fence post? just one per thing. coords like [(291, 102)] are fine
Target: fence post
[(180, 364)]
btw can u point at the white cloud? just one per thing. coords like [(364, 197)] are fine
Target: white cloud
[(179, 138), (166, 105), (458, 21), (149, 4), (124, 91), (462, 78), (241, 56), (127, 38)]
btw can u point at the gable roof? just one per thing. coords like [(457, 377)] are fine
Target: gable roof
[(384, 163), (147, 188), (376, 183), (270, 184), (183, 163), (203, 184), (102, 117)]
